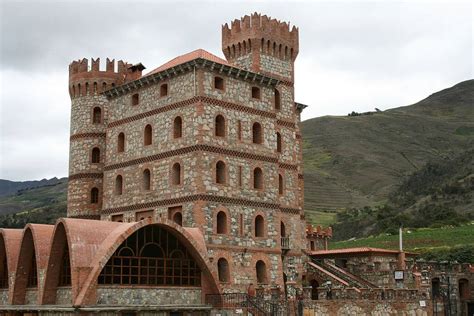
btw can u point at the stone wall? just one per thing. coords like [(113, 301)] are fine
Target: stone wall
[(366, 308), (147, 296), (31, 297), (63, 296), (3, 296), (277, 66)]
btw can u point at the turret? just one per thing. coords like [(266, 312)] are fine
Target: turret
[(88, 128), (261, 44)]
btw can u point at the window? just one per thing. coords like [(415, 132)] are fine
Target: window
[(97, 116), (223, 270), (463, 286), (95, 157), (261, 270), (117, 218), (240, 176), (94, 196), (175, 214), (220, 126), (277, 100), (121, 143), (280, 184), (220, 172), (257, 134), (148, 135), (139, 216), (118, 185), (256, 93), (221, 227), (279, 142), (282, 229), (176, 174), (151, 256), (314, 289), (135, 99), (32, 280), (146, 179), (218, 83), (178, 218), (435, 288), (178, 127), (257, 179), (65, 273), (259, 226), (164, 90), (239, 130), (241, 224)]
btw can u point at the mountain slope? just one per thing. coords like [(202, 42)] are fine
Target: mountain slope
[(356, 161), (8, 187)]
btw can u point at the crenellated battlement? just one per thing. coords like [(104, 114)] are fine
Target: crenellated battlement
[(87, 79), (270, 36)]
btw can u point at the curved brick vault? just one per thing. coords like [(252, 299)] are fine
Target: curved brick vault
[(10, 240)]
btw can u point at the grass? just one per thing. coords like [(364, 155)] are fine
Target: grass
[(417, 240), (320, 218)]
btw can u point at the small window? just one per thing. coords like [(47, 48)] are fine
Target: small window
[(178, 127), (218, 83), (176, 174), (135, 99), (239, 130), (259, 226), (221, 225), (121, 143), (178, 218), (146, 179), (175, 213), (94, 196), (220, 172), (257, 134), (280, 184), (220, 126), (277, 100), (164, 90), (117, 218), (279, 142), (223, 270), (148, 135), (257, 179), (256, 93), (282, 229), (261, 270), (95, 155), (97, 116), (118, 185)]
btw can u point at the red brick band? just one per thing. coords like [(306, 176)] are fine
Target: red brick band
[(97, 217), (86, 176), (290, 210), (203, 148), (199, 197), (86, 135), (300, 176), (286, 123)]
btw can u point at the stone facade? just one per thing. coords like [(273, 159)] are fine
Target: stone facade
[(156, 296)]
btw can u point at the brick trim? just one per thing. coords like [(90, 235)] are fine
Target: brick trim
[(198, 197), (291, 253), (286, 123), (96, 217), (300, 176), (86, 135), (85, 176), (204, 148), (289, 210)]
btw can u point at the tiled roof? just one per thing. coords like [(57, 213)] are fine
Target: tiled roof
[(356, 250), (198, 53)]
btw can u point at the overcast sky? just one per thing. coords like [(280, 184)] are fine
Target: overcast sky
[(353, 56)]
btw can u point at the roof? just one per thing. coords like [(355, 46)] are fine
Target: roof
[(359, 250), (198, 53)]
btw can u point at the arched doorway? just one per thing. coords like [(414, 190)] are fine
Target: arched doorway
[(314, 289)]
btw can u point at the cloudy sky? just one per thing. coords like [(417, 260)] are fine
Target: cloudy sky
[(354, 55)]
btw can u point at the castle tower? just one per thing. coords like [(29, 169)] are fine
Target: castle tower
[(87, 134)]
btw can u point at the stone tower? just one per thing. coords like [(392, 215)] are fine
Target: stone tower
[(88, 130)]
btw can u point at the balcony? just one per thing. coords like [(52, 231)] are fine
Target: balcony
[(285, 243)]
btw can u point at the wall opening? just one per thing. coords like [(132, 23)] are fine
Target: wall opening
[(314, 289), (278, 142), (257, 179), (221, 225), (261, 270), (220, 126), (117, 218), (175, 214), (277, 100), (223, 270), (118, 185), (463, 286), (259, 226), (97, 115), (148, 135), (220, 172), (95, 156), (435, 287), (135, 99), (178, 127), (176, 174), (282, 229), (256, 93), (164, 90), (146, 180), (94, 195), (280, 184), (257, 133), (121, 142), (218, 83)]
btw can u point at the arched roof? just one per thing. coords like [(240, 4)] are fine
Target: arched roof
[(11, 240), (191, 238)]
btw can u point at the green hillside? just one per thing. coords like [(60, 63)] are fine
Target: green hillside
[(357, 161)]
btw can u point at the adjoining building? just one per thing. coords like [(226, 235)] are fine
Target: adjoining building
[(185, 197)]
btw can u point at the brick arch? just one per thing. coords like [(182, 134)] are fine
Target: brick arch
[(189, 237), (228, 219), (262, 257), (218, 254), (36, 239), (265, 224), (10, 240), (213, 168)]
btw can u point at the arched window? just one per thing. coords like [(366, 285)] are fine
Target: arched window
[(151, 256), (135, 99), (282, 229), (257, 133), (261, 269), (218, 83), (94, 196), (257, 179), (95, 157), (148, 135), (314, 289), (146, 179), (176, 174), (223, 270), (163, 90), (65, 273), (259, 226), (278, 142), (32, 273), (118, 185), (280, 184), (178, 127), (277, 100), (220, 172), (121, 143), (178, 218), (97, 115), (256, 93), (220, 126), (221, 227)]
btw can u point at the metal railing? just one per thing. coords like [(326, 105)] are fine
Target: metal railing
[(285, 243), (257, 305)]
